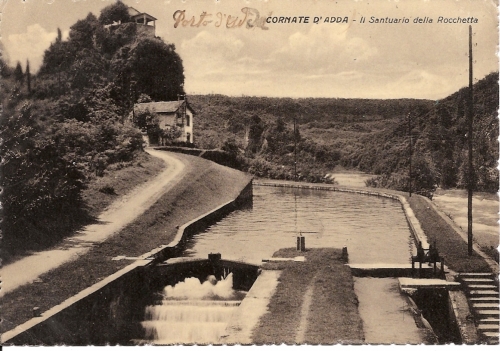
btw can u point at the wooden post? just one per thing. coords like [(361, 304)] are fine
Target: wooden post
[(409, 135), (345, 254), (301, 243), (295, 146), (470, 117)]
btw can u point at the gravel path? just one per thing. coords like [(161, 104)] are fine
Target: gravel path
[(119, 214)]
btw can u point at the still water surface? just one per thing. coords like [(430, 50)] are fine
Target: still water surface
[(374, 229)]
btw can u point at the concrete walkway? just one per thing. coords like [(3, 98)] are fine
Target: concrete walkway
[(253, 307), (119, 214)]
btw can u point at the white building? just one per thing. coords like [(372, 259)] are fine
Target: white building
[(171, 113)]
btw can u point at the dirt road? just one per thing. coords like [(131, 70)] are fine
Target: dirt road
[(121, 212)]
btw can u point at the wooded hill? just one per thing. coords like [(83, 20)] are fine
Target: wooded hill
[(367, 135), (69, 122)]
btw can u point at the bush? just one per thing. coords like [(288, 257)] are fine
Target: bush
[(224, 158), (107, 190)]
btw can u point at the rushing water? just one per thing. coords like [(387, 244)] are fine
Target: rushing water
[(374, 229), (192, 312)]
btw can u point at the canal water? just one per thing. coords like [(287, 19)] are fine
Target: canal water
[(374, 229)]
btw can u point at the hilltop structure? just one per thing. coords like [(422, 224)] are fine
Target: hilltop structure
[(145, 23), (143, 20)]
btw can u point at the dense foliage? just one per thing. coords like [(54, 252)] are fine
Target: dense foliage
[(439, 140), (328, 132), (67, 123), (148, 122), (368, 135)]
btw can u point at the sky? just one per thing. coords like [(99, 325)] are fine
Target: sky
[(350, 59)]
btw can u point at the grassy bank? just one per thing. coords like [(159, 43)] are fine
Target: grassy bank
[(453, 203), (449, 243), (332, 316), (118, 179), (198, 192)]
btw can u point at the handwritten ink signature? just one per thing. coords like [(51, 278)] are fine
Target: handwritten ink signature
[(251, 19)]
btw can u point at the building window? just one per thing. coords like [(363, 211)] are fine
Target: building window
[(187, 120), (188, 137)]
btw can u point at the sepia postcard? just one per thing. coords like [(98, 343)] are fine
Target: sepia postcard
[(249, 172)]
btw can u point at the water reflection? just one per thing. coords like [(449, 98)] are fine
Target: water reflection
[(374, 229)]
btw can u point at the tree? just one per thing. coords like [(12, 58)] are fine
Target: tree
[(5, 70), (156, 68), (111, 40), (88, 69), (39, 182), (18, 73), (57, 58), (169, 135), (144, 98), (254, 134), (81, 34), (28, 76), (231, 147), (118, 12), (144, 119)]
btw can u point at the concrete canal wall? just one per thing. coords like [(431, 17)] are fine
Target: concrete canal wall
[(199, 224), (109, 312)]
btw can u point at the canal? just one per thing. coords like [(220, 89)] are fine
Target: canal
[(374, 229)]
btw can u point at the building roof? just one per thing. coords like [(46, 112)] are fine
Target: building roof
[(161, 106), (133, 13)]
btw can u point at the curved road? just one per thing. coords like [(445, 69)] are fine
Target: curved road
[(119, 214)]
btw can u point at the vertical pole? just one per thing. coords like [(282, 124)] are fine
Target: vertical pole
[(470, 177), (409, 134), (295, 147), (295, 203)]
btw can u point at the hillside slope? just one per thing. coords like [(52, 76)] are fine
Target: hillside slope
[(439, 139), (367, 135), (68, 123)]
